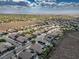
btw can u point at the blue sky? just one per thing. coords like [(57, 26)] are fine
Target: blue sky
[(59, 8), (31, 0), (68, 0), (63, 0), (57, 0)]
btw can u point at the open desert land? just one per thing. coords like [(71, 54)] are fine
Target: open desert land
[(18, 21), (68, 48), (15, 25), (8, 21)]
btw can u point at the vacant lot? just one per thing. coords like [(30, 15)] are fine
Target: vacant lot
[(8, 21), (68, 48), (15, 25)]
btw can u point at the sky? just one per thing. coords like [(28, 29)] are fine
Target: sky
[(18, 0), (60, 9), (64, 0), (57, 0), (68, 0)]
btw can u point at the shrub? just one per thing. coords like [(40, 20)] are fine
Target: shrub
[(33, 41), (2, 40)]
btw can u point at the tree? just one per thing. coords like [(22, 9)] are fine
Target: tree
[(33, 41), (2, 40)]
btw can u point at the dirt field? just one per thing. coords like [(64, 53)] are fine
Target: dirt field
[(8, 21), (68, 48), (15, 25)]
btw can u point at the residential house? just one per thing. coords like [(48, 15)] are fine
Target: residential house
[(26, 55), (13, 35), (22, 39), (16, 36), (49, 37), (5, 46), (37, 48), (12, 30), (41, 39)]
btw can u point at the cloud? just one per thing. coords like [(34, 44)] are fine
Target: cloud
[(18, 0), (49, 3), (55, 4), (68, 5)]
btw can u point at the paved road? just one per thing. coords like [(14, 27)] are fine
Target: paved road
[(11, 53), (68, 48)]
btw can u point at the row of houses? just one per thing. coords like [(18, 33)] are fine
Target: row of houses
[(17, 37), (5, 47), (37, 48), (32, 53), (20, 38)]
